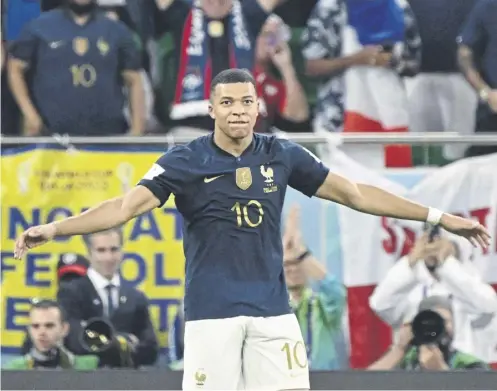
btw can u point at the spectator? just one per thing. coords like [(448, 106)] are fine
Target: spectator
[(67, 69), (282, 97), (433, 267), (221, 34), (104, 295), (118, 11), (440, 99), (478, 62), (47, 329), (411, 353), (319, 312), (342, 36)]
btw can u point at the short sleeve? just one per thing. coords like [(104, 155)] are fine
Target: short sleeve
[(322, 36), (255, 16), (129, 52), (24, 48), (473, 32), (307, 171), (167, 175)]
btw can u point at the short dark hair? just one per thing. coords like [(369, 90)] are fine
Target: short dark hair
[(118, 230), (231, 76), (45, 304)]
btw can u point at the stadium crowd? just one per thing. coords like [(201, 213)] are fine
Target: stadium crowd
[(69, 67)]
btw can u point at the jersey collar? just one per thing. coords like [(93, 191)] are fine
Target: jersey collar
[(221, 151)]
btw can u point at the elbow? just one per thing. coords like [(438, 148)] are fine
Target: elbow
[(382, 308)]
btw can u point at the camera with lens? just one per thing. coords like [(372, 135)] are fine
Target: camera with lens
[(100, 338), (428, 328)]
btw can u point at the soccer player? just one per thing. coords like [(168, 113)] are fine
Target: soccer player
[(230, 187)]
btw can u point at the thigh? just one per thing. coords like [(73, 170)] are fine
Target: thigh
[(274, 355), (213, 354)]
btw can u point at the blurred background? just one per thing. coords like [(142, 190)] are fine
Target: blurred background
[(400, 94)]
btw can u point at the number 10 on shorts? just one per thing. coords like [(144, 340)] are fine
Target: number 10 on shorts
[(296, 354)]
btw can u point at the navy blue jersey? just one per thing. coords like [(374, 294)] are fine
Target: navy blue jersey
[(480, 34), (232, 212), (75, 79)]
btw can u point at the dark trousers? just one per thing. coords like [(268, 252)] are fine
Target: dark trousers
[(486, 122)]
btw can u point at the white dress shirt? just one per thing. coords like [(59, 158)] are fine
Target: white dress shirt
[(100, 283), (397, 297)]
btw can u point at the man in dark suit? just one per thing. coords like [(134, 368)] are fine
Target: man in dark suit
[(104, 295)]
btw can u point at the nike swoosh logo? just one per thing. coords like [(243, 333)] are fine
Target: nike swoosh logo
[(207, 180)]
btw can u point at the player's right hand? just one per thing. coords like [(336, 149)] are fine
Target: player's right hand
[(33, 237)]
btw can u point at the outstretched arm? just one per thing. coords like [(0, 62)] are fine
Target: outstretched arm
[(375, 201), (108, 214)]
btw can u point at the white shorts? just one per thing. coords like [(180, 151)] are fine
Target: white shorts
[(245, 353)]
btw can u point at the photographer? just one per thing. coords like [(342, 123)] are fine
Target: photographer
[(47, 329), (426, 344), (433, 267)]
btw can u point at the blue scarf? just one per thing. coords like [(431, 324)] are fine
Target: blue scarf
[(376, 21), (195, 69)]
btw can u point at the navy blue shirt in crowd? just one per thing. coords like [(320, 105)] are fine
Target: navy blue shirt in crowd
[(480, 34), (232, 211), (439, 23), (75, 71)]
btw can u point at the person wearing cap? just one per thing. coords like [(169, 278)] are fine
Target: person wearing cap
[(71, 266), (437, 266), (413, 351)]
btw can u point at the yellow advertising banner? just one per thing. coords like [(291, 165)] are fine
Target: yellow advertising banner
[(41, 185)]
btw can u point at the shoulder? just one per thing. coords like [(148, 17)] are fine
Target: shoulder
[(46, 20), (325, 10), (182, 153), (86, 362), (462, 360)]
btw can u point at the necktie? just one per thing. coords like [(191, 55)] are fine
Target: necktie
[(110, 300)]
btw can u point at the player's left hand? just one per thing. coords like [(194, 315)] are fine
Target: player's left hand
[(476, 233)]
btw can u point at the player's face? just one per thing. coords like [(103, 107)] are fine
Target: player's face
[(46, 328), (216, 9), (234, 107), (294, 275), (106, 253)]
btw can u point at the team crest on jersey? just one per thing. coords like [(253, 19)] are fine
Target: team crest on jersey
[(103, 46), (200, 378), (80, 45), (243, 178), (268, 174)]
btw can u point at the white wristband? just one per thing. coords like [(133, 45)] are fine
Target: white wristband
[(434, 216)]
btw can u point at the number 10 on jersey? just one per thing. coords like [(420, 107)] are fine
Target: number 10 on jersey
[(242, 215)]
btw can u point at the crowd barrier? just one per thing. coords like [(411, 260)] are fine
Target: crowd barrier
[(167, 380), (304, 138)]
